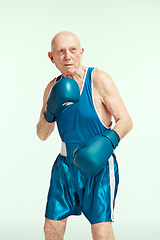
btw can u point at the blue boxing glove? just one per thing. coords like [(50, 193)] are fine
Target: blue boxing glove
[(93, 154), (64, 91)]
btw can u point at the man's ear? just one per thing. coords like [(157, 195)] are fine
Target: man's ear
[(50, 55), (82, 51)]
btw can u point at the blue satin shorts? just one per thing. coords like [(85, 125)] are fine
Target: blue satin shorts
[(73, 192)]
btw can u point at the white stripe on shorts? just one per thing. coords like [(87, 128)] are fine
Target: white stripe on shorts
[(112, 184)]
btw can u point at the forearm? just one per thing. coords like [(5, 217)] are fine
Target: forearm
[(44, 128), (123, 127)]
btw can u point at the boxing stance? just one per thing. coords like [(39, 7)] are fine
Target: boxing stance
[(85, 174)]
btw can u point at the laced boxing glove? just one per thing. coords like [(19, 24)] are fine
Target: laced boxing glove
[(64, 91), (93, 154)]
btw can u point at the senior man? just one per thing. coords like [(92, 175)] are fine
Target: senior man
[(82, 100)]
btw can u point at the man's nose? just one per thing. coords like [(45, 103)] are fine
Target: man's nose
[(67, 55)]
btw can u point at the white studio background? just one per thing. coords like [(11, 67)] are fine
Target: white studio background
[(119, 37)]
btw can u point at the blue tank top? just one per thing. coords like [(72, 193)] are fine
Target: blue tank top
[(79, 121)]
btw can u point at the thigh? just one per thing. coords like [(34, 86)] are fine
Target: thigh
[(62, 200), (103, 231)]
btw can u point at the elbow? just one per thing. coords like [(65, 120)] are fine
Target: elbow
[(44, 130), (41, 136), (129, 124)]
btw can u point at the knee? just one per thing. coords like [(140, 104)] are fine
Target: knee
[(102, 231), (99, 235), (53, 230)]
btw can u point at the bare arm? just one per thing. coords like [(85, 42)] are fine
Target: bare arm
[(44, 128), (113, 102)]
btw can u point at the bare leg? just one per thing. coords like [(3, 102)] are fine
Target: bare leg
[(102, 231), (54, 230)]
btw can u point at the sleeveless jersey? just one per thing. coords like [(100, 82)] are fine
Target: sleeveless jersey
[(80, 121)]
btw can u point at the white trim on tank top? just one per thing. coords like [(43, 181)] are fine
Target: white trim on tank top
[(84, 79)]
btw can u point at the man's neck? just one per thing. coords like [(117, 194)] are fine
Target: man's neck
[(79, 75)]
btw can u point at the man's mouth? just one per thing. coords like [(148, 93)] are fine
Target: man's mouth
[(67, 65)]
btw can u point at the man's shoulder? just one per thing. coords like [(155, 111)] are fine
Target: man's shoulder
[(100, 77), (50, 84), (56, 79), (48, 88)]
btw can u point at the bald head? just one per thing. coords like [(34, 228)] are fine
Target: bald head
[(66, 53), (64, 36)]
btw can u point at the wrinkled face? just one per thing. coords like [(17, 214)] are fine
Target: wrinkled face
[(67, 54)]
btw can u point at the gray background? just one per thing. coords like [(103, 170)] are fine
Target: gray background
[(119, 37)]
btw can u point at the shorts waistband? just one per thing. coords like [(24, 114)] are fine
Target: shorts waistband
[(67, 149)]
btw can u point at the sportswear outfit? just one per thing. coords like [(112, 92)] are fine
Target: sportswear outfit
[(72, 191)]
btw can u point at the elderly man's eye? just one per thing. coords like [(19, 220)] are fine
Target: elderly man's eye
[(73, 49), (60, 51)]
